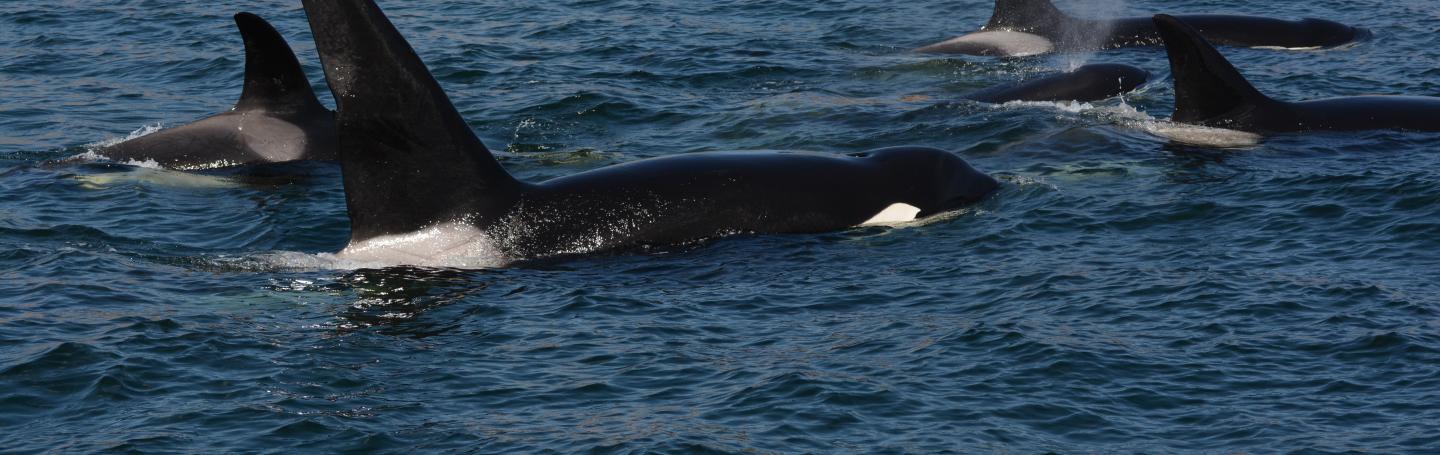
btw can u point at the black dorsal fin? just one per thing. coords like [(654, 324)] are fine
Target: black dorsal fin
[(1024, 15), (273, 78), (1206, 85), (409, 160)]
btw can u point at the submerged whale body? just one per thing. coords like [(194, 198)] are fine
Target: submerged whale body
[(1209, 91), (421, 188), (277, 119), (1029, 27), (1087, 83)]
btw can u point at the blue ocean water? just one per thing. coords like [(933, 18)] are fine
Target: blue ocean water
[(1123, 293)]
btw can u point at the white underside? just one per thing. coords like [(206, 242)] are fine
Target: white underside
[(896, 213), (1012, 44), (1126, 115), (157, 177), (455, 245), (460, 245), (1202, 135), (1283, 48)]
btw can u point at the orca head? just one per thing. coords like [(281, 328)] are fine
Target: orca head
[(1330, 33), (933, 180)]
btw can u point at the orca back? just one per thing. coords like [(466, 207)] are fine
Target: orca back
[(1087, 83), (1208, 89), (409, 160)]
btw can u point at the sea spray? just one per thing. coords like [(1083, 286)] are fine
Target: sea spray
[(1085, 40), (1127, 116)]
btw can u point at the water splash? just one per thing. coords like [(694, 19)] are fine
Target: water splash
[(138, 133), (93, 154), (1128, 116), (453, 245), (92, 150)]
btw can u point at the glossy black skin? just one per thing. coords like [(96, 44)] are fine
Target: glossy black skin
[(277, 119), (1228, 30), (1071, 34), (682, 198), (410, 161), (1210, 91), (1356, 113), (237, 138), (1087, 83)]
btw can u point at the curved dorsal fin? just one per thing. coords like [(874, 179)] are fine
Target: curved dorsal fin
[(1207, 86), (1024, 15), (273, 78), (409, 159)]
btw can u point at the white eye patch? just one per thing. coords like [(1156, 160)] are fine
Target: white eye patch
[(895, 213)]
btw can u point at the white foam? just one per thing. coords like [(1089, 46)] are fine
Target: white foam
[(143, 131), (1127, 116), (1029, 180), (291, 260), (93, 156), (1074, 107), (288, 137), (1283, 48), (939, 217), (449, 246), (456, 245)]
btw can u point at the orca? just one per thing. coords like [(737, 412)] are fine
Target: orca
[(1093, 82), (1209, 91), (1021, 28), (421, 189), (277, 119)]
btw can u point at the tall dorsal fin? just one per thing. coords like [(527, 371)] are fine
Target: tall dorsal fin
[(1206, 85), (1024, 15), (409, 160), (273, 78)]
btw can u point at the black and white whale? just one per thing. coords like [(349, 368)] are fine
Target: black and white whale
[(277, 119), (1087, 83), (421, 188), (1209, 91), (1031, 27)]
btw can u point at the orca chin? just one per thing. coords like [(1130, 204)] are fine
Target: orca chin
[(1018, 27), (1209, 91), (277, 119), (1087, 83), (421, 188)]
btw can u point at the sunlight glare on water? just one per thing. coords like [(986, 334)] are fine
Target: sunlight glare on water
[(1135, 286)]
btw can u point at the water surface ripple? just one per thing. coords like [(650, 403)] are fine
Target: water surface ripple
[(1121, 294)]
